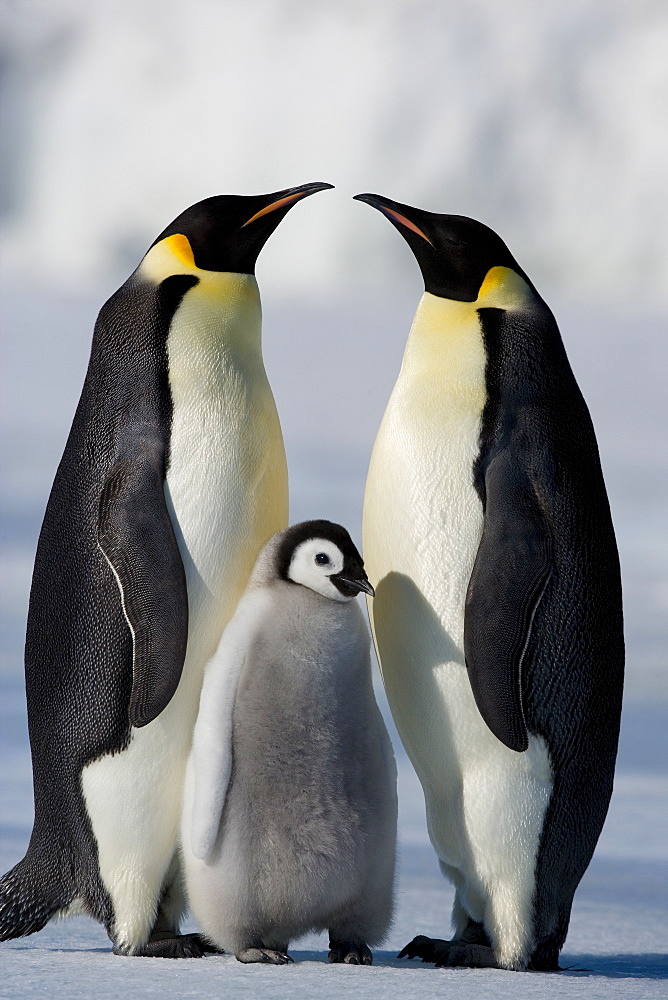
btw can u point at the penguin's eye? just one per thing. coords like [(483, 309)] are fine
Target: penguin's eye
[(322, 559)]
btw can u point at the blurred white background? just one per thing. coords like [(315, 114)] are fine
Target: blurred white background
[(546, 120)]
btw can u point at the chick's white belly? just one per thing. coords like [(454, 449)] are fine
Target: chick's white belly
[(220, 904), (236, 897)]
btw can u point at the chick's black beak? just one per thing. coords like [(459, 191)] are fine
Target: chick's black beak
[(366, 587), (357, 584)]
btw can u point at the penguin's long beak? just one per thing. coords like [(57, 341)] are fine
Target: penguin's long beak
[(395, 212), (287, 198)]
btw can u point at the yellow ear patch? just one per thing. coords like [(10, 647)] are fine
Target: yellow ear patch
[(503, 288), (180, 247), (173, 255)]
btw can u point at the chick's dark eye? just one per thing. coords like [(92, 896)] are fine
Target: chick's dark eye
[(322, 559)]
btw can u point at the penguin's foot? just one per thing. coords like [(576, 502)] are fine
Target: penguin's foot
[(267, 955), (450, 953), (422, 947), (350, 954), (207, 947), (169, 945)]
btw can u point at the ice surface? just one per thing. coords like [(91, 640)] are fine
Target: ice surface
[(616, 945)]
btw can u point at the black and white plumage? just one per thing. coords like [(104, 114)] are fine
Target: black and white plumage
[(173, 477), (290, 809), (498, 615)]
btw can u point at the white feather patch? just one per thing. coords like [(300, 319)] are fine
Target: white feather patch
[(123, 606), (210, 764)]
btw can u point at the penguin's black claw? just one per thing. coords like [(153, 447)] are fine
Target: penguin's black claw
[(166, 945), (350, 954), (448, 954), (207, 947), (265, 955), (422, 947)]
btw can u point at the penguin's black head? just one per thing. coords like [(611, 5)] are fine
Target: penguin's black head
[(454, 252), (227, 232), (321, 555)]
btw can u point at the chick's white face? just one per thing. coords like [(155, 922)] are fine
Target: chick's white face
[(313, 563)]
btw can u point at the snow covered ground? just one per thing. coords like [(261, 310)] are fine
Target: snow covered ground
[(616, 946), (332, 368)]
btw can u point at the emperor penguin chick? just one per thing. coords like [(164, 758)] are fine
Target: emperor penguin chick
[(290, 807)]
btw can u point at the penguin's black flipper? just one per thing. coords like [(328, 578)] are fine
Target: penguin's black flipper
[(511, 570), (136, 536)]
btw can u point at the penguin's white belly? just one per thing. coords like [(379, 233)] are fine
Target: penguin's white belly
[(225, 496), (422, 527)]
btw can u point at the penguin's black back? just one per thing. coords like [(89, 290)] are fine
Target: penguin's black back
[(79, 652), (572, 669)]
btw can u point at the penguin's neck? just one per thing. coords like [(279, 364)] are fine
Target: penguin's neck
[(216, 334), (445, 354), (225, 437)]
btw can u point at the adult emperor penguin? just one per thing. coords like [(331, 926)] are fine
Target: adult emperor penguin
[(173, 477), (498, 616), (290, 810)]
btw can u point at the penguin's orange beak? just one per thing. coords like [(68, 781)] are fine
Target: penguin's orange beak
[(392, 213), (274, 205), (287, 198)]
